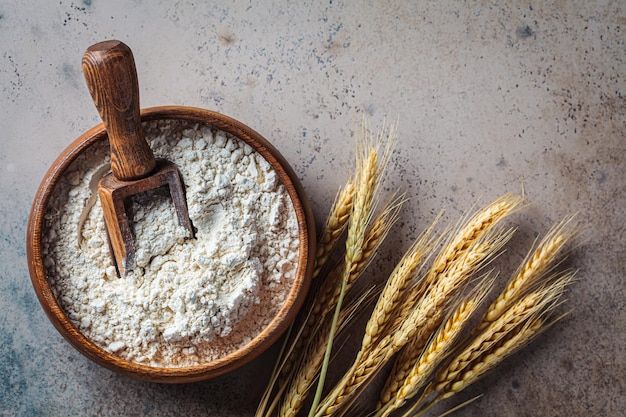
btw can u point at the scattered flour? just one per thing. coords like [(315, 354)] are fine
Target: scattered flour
[(186, 301)]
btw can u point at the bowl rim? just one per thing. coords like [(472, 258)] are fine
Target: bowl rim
[(235, 359)]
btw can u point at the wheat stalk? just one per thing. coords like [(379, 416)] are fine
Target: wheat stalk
[(305, 376), (380, 227), (310, 361), (328, 292), (367, 185), (410, 317)]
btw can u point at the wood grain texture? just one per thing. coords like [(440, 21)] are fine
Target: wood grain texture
[(111, 76), (259, 343)]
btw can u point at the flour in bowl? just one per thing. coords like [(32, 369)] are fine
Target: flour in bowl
[(186, 301)]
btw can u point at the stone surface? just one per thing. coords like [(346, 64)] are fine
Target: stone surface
[(489, 99)]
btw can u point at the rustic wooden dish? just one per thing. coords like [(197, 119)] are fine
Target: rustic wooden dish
[(259, 343)]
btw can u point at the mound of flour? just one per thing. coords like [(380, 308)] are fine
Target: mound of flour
[(185, 301)]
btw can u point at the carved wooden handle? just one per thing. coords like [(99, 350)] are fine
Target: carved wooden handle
[(109, 70)]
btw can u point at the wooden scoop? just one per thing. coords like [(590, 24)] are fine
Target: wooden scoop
[(111, 77)]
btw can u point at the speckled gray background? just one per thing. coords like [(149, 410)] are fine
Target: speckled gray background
[(488, 97)]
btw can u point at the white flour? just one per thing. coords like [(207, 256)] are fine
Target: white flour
[(186, 301)]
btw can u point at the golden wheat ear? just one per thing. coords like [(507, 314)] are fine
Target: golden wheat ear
[(336, 223), (536, 268)]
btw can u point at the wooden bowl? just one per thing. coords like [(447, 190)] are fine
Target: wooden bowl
[(237, 358)]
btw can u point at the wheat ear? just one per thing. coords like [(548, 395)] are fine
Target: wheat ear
[(328, 293), (538, 262), (336, 223), (445, 286), (480, 225), (400, 278), (405, 360), (376, 234), (491, 358), (430, 309), (326, 296), (475, 229), (517, 326), (527, 308)]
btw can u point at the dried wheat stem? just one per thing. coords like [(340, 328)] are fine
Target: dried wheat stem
[(534, 268), (336, 223)]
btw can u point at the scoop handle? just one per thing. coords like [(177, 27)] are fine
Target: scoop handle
[(109, 69)]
